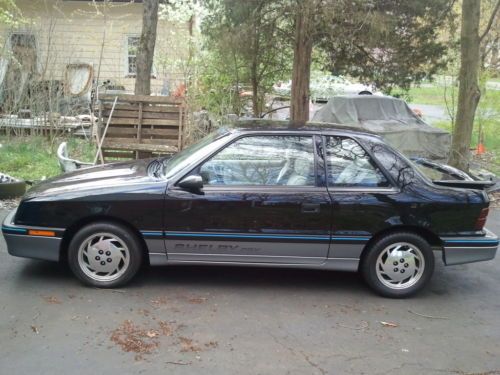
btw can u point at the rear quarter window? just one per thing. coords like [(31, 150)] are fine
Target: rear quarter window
[(400, 170)]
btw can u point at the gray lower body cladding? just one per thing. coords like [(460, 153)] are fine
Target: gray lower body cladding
[(21, 244), (332, 264), (461, 250), (43, 248), (461, 255)]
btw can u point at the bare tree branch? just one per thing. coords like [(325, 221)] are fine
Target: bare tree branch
[(490, 21)]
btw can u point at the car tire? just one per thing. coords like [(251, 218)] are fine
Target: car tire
[(398, 265), (105, 255)]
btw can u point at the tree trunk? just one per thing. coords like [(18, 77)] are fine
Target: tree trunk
[(255, 67), (145, 52), (468, 92), (302, 56), (255, 94)]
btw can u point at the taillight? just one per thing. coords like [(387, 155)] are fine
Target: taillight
[(481, 220)]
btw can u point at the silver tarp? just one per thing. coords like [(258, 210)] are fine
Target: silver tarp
[(392, 119)]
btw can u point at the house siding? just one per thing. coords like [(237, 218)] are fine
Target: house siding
[(73, 32)]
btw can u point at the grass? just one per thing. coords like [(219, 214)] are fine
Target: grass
[(35, 157), (434, 95)]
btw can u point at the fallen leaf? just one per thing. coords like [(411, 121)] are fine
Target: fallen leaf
[(131, 338), (188, 345), (196, 300), (52, 300), (212, 344), (151, 334), (166, 328), (389, 324), (34, 329)]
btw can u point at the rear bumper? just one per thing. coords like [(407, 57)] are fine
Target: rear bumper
[(21, 244), (460, 250)]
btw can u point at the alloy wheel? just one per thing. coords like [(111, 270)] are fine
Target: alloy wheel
[(400, 265), (103, 257)]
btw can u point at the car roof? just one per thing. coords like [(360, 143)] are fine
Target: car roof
[(259, 125)]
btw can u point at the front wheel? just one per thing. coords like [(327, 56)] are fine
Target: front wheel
[(398, 265), (104, 255)]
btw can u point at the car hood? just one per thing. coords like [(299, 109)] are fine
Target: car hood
[(104, 178)]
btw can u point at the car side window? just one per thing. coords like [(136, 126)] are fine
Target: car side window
[(349, 165), (263, 160)]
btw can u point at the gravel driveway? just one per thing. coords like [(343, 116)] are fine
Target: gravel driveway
[(215, 320)]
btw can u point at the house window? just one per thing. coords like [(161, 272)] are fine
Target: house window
[(23, 41), (24, 50), (132, 46)]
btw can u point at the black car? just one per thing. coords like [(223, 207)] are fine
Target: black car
[(318, 197)]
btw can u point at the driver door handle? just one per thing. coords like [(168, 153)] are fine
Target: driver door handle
[(310, 208)]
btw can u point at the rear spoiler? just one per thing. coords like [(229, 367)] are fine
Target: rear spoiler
[(480, 185)]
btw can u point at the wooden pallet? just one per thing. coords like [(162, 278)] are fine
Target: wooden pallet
[(141, 126)]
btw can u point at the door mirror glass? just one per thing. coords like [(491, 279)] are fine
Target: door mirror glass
[(191, 183)]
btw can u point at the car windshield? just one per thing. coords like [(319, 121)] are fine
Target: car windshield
[(194, 152)]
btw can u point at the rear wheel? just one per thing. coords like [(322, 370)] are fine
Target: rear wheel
[(105, 255), (398, 265)]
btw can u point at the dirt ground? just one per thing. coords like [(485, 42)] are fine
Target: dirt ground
[(227, 320)]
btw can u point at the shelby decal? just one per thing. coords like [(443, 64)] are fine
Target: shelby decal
[(184, 246)]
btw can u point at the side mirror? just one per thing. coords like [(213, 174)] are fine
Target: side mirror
[(192, 183)]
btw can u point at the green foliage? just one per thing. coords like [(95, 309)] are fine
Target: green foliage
[(245, 51), (35, 157), (219, 78), (388, 43), (10, 15)]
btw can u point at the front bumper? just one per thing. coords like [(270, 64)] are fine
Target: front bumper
[(460, 250), (22, 244)]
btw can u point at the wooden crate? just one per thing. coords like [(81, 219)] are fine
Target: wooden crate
[(141, 126)]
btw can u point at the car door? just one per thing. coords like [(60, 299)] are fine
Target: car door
[(261, 203), (362, 196)]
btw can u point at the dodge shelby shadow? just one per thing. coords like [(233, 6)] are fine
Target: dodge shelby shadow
[(318, 197)]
